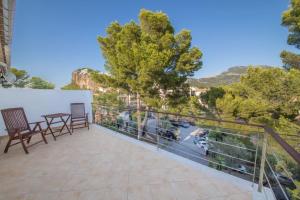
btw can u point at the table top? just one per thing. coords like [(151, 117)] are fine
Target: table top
[(56, 115)]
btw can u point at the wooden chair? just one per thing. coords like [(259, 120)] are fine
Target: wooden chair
[(18, 128), (79, 119)]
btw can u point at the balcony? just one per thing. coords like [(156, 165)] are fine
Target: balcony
[(103, 164), (110, 161)]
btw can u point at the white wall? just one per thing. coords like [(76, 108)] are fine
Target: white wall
[(38, 102)]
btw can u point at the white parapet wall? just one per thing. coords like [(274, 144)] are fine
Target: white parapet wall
[(39, 102)]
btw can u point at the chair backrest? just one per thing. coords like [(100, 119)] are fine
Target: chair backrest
[(77, 110), (15, 119)]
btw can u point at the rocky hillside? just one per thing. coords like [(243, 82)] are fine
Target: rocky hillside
[(82, 79), (232, 75)]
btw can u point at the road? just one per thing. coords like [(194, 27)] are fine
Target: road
[(184, 147)]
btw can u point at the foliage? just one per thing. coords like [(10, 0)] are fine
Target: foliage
[(149, 58), (216, 135), (290, 60), (291, 19), (110, 99), (263, 94), (218, 162), (189, 106), (22, 78), (38, 83), (20, 74), (71, 86), (210, 97), (295, 194)]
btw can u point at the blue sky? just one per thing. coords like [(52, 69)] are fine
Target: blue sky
[(53, 38)]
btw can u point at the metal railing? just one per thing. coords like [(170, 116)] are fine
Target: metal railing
[(249, 151)]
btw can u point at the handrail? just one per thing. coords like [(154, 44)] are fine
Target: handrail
[(192, 116), (197, 156), (290, 150)]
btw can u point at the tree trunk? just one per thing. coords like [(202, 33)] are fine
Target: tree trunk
[(145, 120), (129, 100), (139, 118)]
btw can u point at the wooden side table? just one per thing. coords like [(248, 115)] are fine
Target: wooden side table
[(50, 120)]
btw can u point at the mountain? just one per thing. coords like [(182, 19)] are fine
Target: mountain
[(82, 79), (232, 75)]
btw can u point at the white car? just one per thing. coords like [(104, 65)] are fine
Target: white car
[(242, 169), (203, 145)]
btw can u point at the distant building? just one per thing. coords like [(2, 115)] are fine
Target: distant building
[(194, 91)]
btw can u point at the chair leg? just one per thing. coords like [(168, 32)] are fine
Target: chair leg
[(29, 139), (44, 138), (7, 145), (87, 122), (23, 145)]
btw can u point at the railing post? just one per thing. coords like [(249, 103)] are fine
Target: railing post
[(157, 130), (262, 163), (255, 160)]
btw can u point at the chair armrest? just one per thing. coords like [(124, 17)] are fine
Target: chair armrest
[(37, 125), (38, 122)]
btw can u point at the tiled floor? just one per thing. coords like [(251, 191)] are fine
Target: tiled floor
[(96, 164)]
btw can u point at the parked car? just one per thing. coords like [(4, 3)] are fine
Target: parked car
[(203, 146), (184, 124), (169, 133), (175, 122), (282, 179), (204, 133), (242, 169)]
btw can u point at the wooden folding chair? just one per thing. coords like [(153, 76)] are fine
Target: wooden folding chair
[(18, 128), (79, 119)]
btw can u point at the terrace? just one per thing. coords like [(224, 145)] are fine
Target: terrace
[(109, 161), (103, 164)]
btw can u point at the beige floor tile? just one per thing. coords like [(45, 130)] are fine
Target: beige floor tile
[(93, 194), (139, 192), (96, 164), (239, 197), (42, 195), (163, 192), (70, 195), (12, 196), (185, 190)]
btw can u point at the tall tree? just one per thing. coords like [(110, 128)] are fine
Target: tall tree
[(210, 97), (149, 60), (263, 93), (291, 19)]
